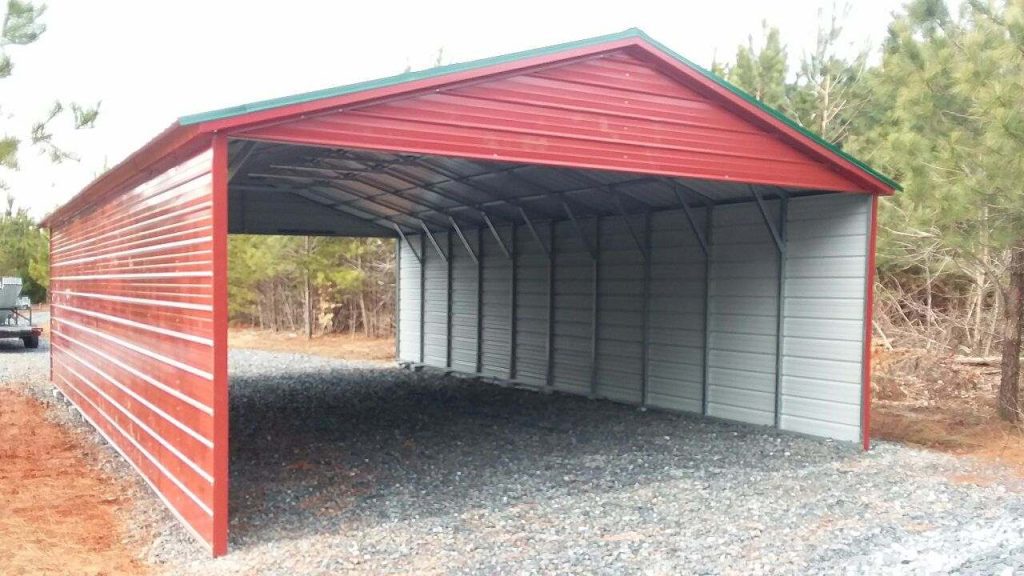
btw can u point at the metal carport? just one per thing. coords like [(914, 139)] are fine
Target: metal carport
[(601, 217)]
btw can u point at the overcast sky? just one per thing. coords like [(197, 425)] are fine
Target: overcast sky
[(150, 62)]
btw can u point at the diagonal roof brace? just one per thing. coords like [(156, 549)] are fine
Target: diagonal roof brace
[(629, 225), (494, 231), (780, 244), (690, 218), (579, 230), (533, 232), (462, 237), (433, 242), (419, 258)]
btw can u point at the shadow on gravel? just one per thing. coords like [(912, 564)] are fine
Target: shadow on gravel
[(15, 346), (337, 449)]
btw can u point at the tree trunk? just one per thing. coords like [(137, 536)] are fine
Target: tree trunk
[(1009, 382)]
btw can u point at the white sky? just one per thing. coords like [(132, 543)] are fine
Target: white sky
[(150, 62)]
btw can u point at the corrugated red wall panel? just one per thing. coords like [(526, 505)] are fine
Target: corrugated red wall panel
[(133, 334), (613, 111)]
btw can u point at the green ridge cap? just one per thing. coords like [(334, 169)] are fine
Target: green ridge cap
[(439, 71)]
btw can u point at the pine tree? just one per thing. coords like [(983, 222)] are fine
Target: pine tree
[(761, 70), (950, 126)]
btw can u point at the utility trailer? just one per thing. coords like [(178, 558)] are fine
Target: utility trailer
[(16, 313)]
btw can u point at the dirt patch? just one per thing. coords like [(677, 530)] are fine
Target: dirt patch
[(343, 346), (932, 401), (57, 514)]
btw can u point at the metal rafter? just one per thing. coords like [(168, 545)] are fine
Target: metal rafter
[(336, 186), (323, 199), (454, 177)]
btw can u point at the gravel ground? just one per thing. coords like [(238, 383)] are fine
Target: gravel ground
[(346, 468)]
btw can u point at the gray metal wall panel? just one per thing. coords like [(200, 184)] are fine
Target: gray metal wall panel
[(823, 328), (573, 306), (497, 277), (435, 338), (531, 306), (676, 309), (620, 317), (743, 315), (822, 325), (464, 303), (409, 302)]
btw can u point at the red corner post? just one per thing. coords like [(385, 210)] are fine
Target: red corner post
[(869, 306), (220, 345)]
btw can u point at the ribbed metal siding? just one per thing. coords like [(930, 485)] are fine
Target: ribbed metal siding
[(613, 111), (676, 350), (133, 331), (531, 306), (464, 304), (435, 339), (497, 301), (573, 306), (743, 315), (409, 301), (620, 306), (824, 327)]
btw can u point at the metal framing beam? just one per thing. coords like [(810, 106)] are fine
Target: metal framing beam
[(595, 308), (781, 310), (533, 232), (701, 237), (423, 300), (320, 198), (480, 301), (433, 242), (645, 323), (448, 332), (497, 237), (248, 147), (512, 307), (454, 178), (405, 239), (640, 246), (579, 231), (462, 237), (549, 374), (779, 244), (708, 255)]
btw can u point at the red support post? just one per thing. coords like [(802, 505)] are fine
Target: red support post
[(220, 344), (869, 305)]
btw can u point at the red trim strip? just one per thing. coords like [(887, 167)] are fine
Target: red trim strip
[(220, 345), (869, 306)]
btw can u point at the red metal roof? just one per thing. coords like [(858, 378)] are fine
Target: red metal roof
[(619, 102)]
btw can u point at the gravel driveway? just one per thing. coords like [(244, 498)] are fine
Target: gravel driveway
[(346, 468)]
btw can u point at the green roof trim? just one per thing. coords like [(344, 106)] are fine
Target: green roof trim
[(439, 71), (775, 113), (401, 78)]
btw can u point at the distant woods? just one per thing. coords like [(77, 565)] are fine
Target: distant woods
[(943, 113), (312, 285)]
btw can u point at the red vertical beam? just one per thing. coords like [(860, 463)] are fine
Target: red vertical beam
[(220, 344), (869, 306)]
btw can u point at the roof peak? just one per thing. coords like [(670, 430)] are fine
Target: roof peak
[(436, 71)]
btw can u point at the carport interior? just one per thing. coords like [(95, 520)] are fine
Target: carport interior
[(733, 300)]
